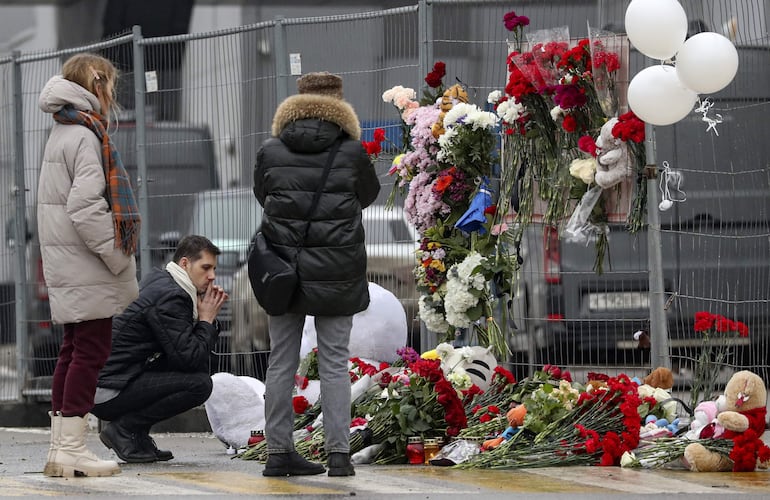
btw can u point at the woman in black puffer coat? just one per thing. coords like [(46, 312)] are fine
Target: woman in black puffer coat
[(331, 261)]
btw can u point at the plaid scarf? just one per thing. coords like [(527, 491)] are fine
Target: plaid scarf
[(119, 195)]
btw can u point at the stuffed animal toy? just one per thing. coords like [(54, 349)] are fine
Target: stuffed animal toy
[(377, 333), (235, 407), (475, 361), (661, 377), (515, 417), (613, 157), (455, 93), (704, 424), (743, 419)]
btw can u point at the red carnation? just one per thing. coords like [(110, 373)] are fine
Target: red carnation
[(569, 124), (300, 404)]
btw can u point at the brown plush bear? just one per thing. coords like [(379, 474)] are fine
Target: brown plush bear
[(660, 377), (744, 421)]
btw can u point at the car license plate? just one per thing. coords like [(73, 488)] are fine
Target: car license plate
[(615, 301)]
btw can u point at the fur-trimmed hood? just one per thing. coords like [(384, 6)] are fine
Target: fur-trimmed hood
[(323, 107)]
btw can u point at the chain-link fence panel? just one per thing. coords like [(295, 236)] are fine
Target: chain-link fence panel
[(206, 105)]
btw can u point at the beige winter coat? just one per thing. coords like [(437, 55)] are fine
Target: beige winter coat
[(87, 277)]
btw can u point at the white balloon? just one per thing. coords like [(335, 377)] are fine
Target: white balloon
[(707, 62), (657, 96), (657, 28)]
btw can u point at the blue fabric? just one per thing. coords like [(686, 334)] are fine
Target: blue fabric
[(474, 219)]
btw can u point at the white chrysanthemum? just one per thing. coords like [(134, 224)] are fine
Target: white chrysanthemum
[(494, 96), (445, 139), (557, 112), (459, 111), (510, 110), (481, 119)]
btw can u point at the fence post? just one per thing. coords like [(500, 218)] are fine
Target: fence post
[(428, 339), (425, 31), (281, 60), (658, 322), (20, 228), (141, 158)]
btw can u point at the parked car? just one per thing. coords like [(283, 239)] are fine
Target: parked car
[(390, 246), (228, 218)]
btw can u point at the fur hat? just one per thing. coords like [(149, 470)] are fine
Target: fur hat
[(320, 83)]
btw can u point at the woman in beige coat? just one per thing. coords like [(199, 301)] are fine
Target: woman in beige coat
[(88, 225)]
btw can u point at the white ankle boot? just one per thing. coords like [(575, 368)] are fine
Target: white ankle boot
[(71, 458), (50, 468)]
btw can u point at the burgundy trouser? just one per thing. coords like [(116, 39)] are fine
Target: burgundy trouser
[(84, 350)]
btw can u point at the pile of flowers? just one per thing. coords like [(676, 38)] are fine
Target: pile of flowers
[(560, 421), (557, 98), (446, 172), (718, 334)]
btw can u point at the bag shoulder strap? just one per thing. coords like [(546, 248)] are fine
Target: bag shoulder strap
[(317, 196)]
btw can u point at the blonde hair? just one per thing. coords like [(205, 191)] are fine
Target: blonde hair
[(92, 72)]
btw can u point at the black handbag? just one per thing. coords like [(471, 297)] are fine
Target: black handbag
[(273, 278)]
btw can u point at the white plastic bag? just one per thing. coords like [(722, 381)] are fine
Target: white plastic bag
[(579, 229)]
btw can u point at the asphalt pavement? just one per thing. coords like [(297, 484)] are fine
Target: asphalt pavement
[(203, 469)]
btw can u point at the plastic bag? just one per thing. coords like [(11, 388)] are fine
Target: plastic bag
[(456, 452), (578, 229)]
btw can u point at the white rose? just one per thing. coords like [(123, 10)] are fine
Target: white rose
[(583, 169), (628, 459)]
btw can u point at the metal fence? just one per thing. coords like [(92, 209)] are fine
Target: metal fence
[(198, 106)]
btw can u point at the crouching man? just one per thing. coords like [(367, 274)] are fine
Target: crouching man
[(159, 363)]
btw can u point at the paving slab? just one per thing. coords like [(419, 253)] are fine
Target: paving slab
[(202, 469)]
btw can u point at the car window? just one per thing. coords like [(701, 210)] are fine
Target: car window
[(383, 231), (233, 217)]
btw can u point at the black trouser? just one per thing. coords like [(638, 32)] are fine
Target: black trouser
[(155, 396)]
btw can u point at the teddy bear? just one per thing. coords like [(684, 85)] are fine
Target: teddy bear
[(661, 377), (613, 158), (743, 418)]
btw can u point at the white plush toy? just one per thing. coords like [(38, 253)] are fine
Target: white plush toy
[(704, 423), (613, 158), (476, 362), (235, 408), (377, 331)]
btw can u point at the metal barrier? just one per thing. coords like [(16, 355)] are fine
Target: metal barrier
[(198, 106)]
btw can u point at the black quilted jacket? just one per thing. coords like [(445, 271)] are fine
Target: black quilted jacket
[(332, 261), (157, 332)]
